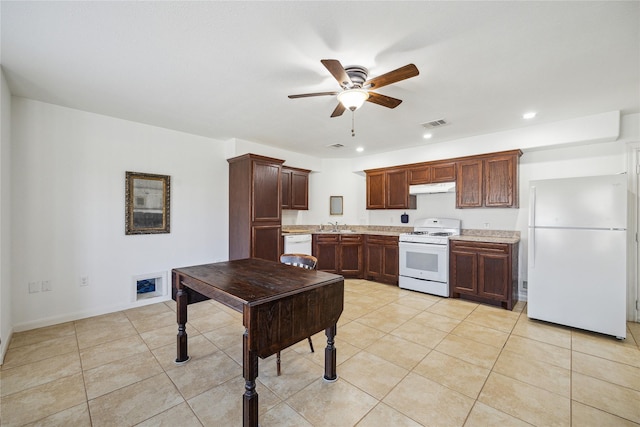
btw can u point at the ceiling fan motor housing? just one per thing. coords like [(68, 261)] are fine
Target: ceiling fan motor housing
[(357, 74)]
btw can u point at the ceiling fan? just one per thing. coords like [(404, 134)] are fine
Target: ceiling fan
[(356, 89)]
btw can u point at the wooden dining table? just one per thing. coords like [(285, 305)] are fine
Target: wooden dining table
[(280, 305)]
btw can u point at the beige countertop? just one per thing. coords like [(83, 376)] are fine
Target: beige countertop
[(490, 236), (488, 239), (356, 229)]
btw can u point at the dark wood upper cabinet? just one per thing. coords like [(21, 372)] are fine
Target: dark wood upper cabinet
[(376, 190), (295, 188), (285, 186), (255, 207), (389, 189), (488, 181), (266, 195), (432, 172), (420, 175), (501, 181), (469, 184), (443, 172), (397, 189)]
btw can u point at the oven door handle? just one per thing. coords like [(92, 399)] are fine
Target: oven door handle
[(415, 245)]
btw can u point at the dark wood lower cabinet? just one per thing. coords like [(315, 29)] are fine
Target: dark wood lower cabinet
[(326, 249), (266, 241), (381, 254), (483, 271), (340, 254), (351, 256)]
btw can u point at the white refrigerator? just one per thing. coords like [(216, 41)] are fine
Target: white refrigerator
[(577, 252)]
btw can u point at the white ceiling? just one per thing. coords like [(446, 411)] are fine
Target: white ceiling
[(224, 69)]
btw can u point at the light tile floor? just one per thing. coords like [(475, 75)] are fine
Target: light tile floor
[(404, 359)]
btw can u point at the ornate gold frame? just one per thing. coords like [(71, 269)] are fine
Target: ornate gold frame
[(147, 203)]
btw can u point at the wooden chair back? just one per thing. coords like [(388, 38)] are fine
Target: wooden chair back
[(299, 260)]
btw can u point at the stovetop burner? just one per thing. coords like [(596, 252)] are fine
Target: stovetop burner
[(432, 230)]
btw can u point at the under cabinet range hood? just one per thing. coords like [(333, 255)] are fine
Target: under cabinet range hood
[(439, 187)]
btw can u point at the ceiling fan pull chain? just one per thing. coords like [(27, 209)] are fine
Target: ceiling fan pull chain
[(353, 123)]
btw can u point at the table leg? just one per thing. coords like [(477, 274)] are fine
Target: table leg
[(250, 373), (181, 310), (330, 374)]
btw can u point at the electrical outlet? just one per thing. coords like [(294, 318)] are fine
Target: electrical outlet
[(46, 285), (486, 225), (525, 284), (34, 287), (84, 280)]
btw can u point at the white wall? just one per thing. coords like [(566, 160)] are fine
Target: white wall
[(67, 206), (6, 324), (67, 198)]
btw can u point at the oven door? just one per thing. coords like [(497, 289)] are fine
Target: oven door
[(424, 261)]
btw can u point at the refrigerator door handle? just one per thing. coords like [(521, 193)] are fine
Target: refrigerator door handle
[(532, 229)]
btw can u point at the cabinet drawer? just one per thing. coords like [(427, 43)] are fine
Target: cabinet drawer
[(382, 240), (497, 248), (349, 238), (327, 238)]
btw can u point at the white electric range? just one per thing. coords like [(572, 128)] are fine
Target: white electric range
[(424, 255)]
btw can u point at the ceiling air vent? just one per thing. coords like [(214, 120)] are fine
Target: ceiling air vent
[(435, 123), (337, 145)]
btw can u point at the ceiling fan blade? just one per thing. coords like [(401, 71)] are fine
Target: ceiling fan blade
[(401, 73), (384, 100), (339, 110), (338, 72), (307, 95)]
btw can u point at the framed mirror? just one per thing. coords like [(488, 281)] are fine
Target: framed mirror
[(147, 203), (335, 205)]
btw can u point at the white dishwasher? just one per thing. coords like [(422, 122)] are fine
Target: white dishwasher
[(297, 244)]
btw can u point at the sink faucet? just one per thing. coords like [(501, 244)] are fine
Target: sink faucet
[(335, 225)]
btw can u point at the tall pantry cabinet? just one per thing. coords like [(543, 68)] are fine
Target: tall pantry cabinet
[(255, 203)]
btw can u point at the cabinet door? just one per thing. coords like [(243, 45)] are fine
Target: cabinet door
[(326, 250), (421, 175), (500, 181), (351, 256), (376, 190), (443, 172), (299, 190), (463, 267), (391, 263), (493, 276), (265, 242), (286, 188), (374, 257), (266, 192), (469, 184), (397, 189), (351, 264)]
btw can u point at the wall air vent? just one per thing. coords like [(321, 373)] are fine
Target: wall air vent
[(435, 124), (337, 145)]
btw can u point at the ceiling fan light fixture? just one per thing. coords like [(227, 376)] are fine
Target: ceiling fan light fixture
[(353, 99)]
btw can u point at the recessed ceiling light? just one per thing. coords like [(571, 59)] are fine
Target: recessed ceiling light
[(529, 115), (427, 135), (360, 149)]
